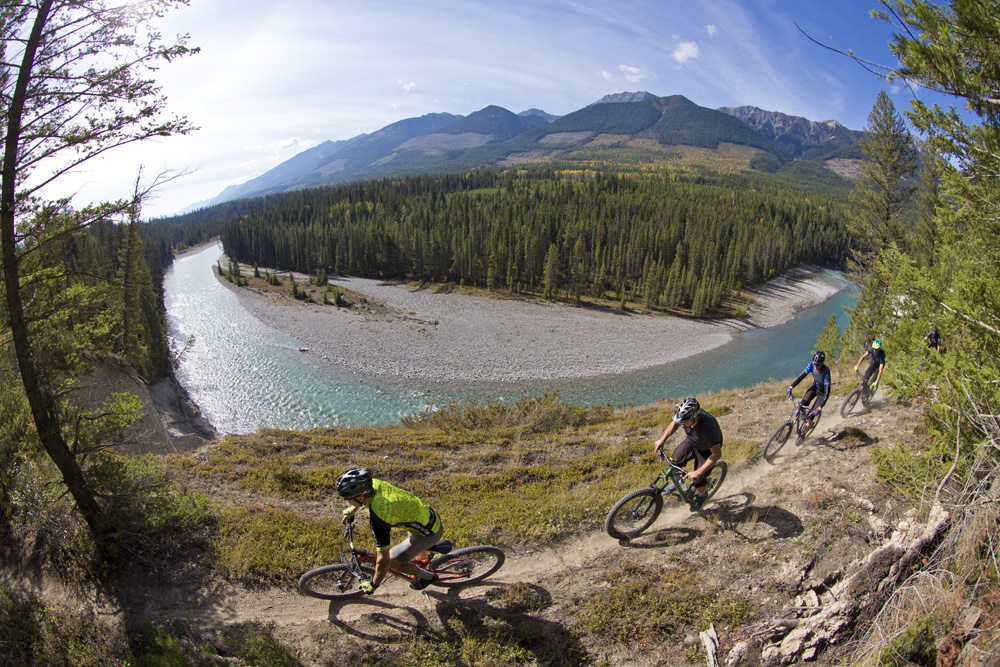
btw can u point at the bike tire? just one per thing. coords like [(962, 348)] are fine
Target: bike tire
[(778, 439), (866, 398), (850, 402), (332, 582), (634, 513), (716, 476), (476, 563)]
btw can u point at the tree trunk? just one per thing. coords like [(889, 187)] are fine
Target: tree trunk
[(42, 410)]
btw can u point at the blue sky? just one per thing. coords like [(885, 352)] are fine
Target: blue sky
[(277, 77)]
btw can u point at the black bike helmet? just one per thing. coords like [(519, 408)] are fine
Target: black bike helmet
[(354, 482), (819, 357), (688, 409)]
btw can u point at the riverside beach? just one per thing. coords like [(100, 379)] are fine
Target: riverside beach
[(420, 333)]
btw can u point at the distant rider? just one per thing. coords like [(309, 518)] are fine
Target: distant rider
[(877, 355), (933, 340), (819, 389), (389, 507), (703, 444)]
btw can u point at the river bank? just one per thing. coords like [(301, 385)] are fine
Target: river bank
[(454, 337)]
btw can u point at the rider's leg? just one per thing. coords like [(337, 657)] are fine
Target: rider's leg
[(872, 368), (403, 553), (808, 397)]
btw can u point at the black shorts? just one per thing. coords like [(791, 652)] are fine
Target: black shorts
[(685, 451)]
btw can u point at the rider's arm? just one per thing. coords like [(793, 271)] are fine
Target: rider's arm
[(707, 465), (801, 376), (860, 359), (671, 427)]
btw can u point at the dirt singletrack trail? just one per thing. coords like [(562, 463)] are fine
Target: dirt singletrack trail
[(562, 572)]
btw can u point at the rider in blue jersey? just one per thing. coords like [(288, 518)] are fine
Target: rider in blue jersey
[(819, 389)]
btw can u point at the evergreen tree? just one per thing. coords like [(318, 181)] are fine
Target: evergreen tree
[(830, 340), (74, 84), (885, 184)]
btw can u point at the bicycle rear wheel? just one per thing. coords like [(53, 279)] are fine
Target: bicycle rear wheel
[(778, 439), (850, 402), (332, 582), (468, 565), (716, 476), (634, 513)]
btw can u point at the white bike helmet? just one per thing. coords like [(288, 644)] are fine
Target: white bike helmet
[(688, 409)]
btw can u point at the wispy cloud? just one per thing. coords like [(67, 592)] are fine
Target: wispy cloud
[(684, 52), (407, 87), (711, 29), (632, 74)]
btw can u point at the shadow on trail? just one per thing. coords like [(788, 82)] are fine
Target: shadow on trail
[(494, 611), (842, 438), (743, 518), (396, 621)]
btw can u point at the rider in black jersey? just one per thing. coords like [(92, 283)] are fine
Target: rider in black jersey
[(819, 389), (703, 444), (877, 363), (934, 339)]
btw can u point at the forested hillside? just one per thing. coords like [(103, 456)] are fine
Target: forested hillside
[(672, 239)]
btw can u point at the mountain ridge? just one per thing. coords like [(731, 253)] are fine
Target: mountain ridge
[(639, 124)]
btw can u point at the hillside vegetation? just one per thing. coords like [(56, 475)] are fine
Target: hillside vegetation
[(668, 239), (240, 519)]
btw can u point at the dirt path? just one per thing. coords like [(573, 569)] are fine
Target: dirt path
[(565, 571)]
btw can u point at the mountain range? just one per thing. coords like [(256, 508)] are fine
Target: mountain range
[(624, 127)]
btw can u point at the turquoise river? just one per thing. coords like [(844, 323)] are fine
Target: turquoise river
[(245, 376)]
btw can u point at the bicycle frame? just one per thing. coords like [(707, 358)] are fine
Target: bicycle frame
[(355, 557), (671, 480), (799, 416)]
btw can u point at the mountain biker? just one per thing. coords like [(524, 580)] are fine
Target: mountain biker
[(388, 507), (819, 389), (703, 444), (934, 339), (878, 362)]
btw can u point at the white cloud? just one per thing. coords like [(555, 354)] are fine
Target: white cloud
[(684, 52), (407, 87), (608, 75), (711, 29), (632, 74)]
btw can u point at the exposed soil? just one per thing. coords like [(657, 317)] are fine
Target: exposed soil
[(778, 530)]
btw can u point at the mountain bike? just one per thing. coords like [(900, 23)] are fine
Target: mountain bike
[(638, 510), (799, 421), (863, 391), (453, 568)]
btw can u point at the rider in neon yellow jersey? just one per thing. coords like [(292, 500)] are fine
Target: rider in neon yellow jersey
[(389, 507)]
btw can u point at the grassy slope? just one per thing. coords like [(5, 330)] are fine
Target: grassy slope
[(537, 480)]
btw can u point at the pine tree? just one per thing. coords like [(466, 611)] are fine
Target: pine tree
[(885, 185)]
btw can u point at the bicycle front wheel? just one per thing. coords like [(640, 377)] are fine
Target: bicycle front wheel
[(866, 397), (716, 476), (778, 439), (468, 565), (634, 513), (332, 582), (850, 402)]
